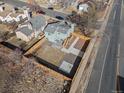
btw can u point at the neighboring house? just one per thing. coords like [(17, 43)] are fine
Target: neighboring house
[(83, 7), (10, 19), (32, 28), (58, 32), (25, 34), (38, 22), (86, 6)]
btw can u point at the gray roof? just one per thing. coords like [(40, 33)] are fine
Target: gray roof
[(26, 31), (57, 32), (38, 22), (59, 27)]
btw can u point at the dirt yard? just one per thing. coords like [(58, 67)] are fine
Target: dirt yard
[(25, 76)]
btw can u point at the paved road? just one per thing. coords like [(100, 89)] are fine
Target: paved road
[(122, 42), (121, 53), (103, 76), (48, 12)]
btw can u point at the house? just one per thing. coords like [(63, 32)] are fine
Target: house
[(11, 19), (55, 32), (86, 6), (31, 29), (25, 33), (58, 32), (7, 16), (83, 7)]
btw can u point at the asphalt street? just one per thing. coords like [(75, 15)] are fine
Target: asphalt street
[(121, 43), (51, 13), (103, 77), (120, 81)]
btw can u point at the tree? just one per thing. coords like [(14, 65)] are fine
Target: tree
[(79, 20), (84, 20)]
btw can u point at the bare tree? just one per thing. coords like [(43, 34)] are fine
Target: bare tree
[(84, 21), (79, 20)]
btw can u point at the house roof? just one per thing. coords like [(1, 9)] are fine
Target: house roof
[(57, 32), (25, 30), (57, 27), (38, 22)]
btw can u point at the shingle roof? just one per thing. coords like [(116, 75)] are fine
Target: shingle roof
[(26, 31), (38, 22), (57, 32)]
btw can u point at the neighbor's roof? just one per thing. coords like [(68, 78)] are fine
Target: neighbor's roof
[(25, 30), (38, 22)]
